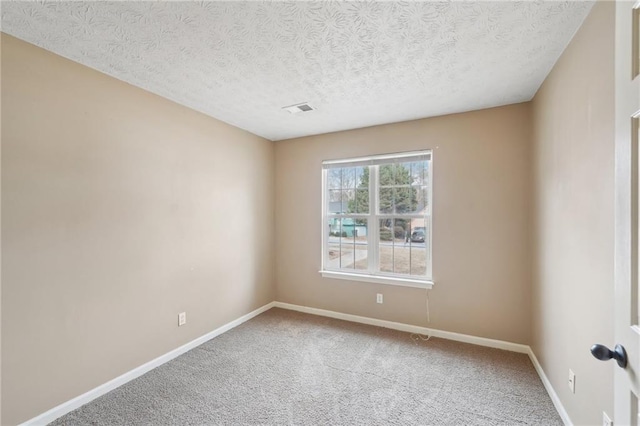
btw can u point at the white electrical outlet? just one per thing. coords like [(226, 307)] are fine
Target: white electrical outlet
[(572, 381), (379, 298), (182, 318), (606, 421)]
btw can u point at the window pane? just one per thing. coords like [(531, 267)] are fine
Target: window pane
[(361, 249), (402, 173), (348, 201), (386, 200), (361, 202), (406, 191), (418, 231), (392, 244), (401, 229), (405, 199), (399, 192), (401, 246), (334, 177), (348, 178), (347, 244), (339, 255), (340, 248), (335, 203), (427, 172), (418, 259), (418, 172), (419, 247), (423, 200), (385, 246), (385, 175), (332, 261), (362, 177)]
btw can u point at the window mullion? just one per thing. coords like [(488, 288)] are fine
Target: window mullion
[(373, 219), (325, 220)]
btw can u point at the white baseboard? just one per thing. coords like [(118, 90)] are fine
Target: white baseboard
[(550, 390), (481, 341), (89, 396)]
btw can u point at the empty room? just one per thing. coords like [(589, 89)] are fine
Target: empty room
[(319, 213)]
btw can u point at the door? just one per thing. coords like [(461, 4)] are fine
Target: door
[(627, 239)]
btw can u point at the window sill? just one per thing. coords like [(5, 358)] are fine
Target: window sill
[(378, 279)]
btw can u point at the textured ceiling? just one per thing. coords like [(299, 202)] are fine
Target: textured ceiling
[(358, 63)]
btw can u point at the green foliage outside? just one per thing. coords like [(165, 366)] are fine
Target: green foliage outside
[(406, 197), (385, 234)]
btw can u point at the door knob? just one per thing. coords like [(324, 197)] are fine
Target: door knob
[(603, 353)]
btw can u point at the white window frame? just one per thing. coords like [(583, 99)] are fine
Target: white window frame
[(373, 219)]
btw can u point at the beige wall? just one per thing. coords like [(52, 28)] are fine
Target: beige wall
[(573, 116), (0, 233), (120, 210), (481, 241)]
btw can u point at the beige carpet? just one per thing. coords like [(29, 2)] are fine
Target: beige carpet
[(285, 367)]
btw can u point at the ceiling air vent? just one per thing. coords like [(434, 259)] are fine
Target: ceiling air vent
[(294, 109)]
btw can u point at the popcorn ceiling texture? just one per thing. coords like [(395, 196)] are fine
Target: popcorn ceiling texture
[(360, 64)]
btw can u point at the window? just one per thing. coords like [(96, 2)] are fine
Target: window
[(377, 219)]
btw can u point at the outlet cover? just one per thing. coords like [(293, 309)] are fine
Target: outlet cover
[(572, 381), (182, 318), (379, 298)]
